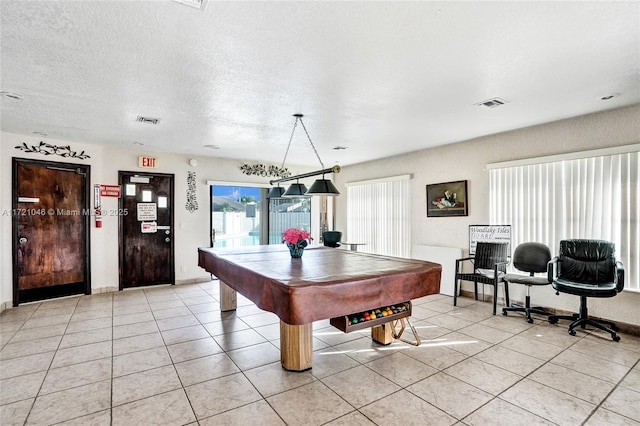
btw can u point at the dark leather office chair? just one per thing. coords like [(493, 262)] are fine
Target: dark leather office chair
[(531, 258), (331, 238), (586, 268), (489, 267)]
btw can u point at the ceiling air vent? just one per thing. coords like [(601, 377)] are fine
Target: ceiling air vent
[(148, 120), (492, 103)]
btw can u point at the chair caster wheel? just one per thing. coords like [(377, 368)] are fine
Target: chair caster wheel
[(572, 332), (616, 338), (553, 320), (504, 312), (530, 320)]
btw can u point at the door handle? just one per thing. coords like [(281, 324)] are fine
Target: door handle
[(167, 239), (22, 240)]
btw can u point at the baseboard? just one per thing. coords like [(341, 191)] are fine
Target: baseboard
[(103, 290), (197, 280), (623, 327)]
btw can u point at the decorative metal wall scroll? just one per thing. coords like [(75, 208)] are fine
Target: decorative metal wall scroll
[(192, 204), (264, 171), (48, 149)]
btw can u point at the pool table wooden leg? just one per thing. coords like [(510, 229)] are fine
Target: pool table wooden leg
[(296, 346), (383, 333), (228, 301)]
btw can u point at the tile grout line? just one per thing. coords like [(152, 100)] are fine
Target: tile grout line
[(599, 405), (360, 363)]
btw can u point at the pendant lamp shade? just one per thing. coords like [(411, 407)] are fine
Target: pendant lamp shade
[(275, 192), (296, 190), (323, 187)]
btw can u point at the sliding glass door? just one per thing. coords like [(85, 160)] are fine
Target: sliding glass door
[(236, 216), (239, 216)]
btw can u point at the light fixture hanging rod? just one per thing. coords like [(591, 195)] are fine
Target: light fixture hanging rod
[(334, 169)]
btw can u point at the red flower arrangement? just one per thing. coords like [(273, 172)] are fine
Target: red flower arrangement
[(296, 237)]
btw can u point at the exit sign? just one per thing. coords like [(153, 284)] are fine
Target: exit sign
[(148, 162)]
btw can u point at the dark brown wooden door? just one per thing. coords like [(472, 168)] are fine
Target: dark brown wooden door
[(50, 230), (146, 229)]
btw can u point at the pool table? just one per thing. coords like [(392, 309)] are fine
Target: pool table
[(325, 283)]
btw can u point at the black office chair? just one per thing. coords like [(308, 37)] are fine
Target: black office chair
[(331, 238), (489, 267), (586, 268), (531, 258)]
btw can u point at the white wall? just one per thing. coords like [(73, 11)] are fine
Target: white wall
[(192, 229), (467, 160), (453, 162)]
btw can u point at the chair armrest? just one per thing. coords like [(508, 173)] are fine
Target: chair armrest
[(552, 267), (619, 276), (500, 267), (459, 261), (505, 263)]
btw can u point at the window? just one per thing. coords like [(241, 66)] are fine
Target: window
[(130, 190), (147, 195), (379, 215), (285, 213), (593, 195)]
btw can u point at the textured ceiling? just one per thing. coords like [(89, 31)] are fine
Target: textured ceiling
[(379, 78)]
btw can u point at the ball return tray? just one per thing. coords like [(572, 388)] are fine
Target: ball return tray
[(384, 328)]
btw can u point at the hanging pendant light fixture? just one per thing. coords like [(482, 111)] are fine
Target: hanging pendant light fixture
[(296, 190), (323, 187), (275, 192), (319, 187)]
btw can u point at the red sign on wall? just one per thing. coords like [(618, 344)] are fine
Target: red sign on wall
[(110, 190)]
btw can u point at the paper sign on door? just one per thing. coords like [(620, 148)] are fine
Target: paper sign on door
[(148, 227), (147, 212)]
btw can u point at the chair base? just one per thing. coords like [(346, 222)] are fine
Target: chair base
[(528, 310), (582, 320)]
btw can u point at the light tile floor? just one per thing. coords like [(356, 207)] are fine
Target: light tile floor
[(168, 356)]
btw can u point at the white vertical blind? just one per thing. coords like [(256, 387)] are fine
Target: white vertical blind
[(379, 215), (596, 197)]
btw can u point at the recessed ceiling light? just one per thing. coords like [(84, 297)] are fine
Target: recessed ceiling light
[(212, 146), (339, 148), (492, 103), (40, 133), (611, 96), (11, 95)]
